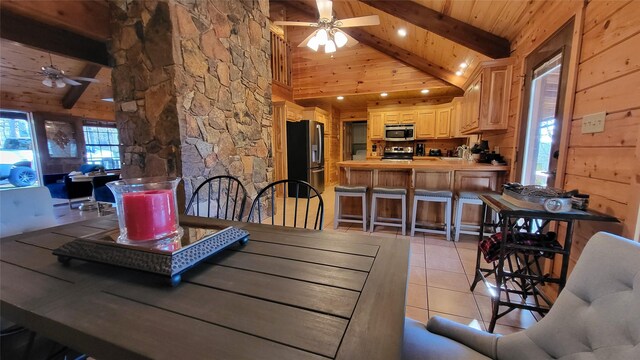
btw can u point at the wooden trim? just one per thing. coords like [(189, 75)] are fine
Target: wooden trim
[(570, 91), (75, 92), (455, 30), (45, 37)]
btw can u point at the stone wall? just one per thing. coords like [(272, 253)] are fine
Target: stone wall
[(192, 86)]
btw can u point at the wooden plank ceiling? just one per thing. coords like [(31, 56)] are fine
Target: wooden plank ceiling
[(361, 70), (21, 82), (76, 45)]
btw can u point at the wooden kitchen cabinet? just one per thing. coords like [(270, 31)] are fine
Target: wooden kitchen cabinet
[(375, 125), (392, 117), (443, 123), (486, 97), (425, 123), (407, 116)]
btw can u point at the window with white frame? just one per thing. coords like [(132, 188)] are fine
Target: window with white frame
[(102, 146)]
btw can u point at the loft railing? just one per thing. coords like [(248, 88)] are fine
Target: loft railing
[(280, 59)]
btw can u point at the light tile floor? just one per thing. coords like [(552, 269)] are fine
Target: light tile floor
[(440, 271)]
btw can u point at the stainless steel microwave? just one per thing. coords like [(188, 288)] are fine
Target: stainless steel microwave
[(399, 132)]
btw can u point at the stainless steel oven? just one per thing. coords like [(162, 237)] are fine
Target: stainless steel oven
[(399, 132)]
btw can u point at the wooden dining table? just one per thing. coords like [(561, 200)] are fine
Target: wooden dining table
[(287, 294)]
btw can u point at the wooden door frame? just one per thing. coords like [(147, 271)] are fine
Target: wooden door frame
[(570, 93), (342, 121)]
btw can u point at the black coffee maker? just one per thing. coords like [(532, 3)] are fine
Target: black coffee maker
[(420, 149)]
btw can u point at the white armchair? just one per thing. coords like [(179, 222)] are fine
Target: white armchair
[(25, 209), (597, 316)]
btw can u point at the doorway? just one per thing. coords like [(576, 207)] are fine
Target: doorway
[(18, 153), (543, 103), (354, 146)]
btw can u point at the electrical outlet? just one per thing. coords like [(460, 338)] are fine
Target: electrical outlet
[(593, 123)]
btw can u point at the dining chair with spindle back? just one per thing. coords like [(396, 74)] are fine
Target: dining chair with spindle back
[(218, 197), (297, 189)]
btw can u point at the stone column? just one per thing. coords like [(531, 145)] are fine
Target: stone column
[(192, 87)]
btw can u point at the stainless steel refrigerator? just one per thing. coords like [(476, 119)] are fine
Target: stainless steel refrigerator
[(305, 154)]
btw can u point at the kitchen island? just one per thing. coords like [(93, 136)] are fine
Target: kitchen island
[(433, 173)]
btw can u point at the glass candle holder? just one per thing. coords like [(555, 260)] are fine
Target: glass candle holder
[(147, 209)]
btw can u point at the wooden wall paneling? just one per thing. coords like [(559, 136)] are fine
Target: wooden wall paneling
[(612, 63), (599, 11), (605, 163), (621, 25), (619, 94), (620, 130)]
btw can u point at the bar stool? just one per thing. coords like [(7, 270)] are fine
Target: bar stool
[(466, 198), (440, 196), (389, 193), (350, 191)]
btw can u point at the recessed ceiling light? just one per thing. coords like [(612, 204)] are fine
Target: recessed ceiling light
[(340, 98), (424, 91), (463, 65), (458, 72), (384, 94), (402, 32)]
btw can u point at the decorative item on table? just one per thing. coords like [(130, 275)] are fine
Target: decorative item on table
[(580, 201), (171, 259), (147, 209), (536, 197)]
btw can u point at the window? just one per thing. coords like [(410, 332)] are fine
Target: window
[(102, 146), (18, 161)]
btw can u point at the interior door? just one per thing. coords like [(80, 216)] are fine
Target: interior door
[(543, 104)]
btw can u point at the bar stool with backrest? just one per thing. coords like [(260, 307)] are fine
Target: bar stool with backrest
[(394, 194), (350, 191), (466, 198), (437, 196)]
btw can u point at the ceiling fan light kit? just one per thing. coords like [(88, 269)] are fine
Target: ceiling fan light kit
[(328, 33)]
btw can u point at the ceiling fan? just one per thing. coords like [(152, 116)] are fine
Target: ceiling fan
[(329, 33), (54, 77)]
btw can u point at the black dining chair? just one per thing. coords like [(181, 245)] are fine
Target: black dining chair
[(218, 197), (100, 190), (297, 189)]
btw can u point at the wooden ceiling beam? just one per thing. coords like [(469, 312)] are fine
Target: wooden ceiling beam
[(388, 48), (75, 92), (45, 37), (455, 30), (405, 56), (86, 18)]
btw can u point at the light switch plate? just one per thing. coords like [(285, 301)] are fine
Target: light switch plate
[(593, 123)]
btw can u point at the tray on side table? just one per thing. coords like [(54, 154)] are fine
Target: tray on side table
[(164, 258)]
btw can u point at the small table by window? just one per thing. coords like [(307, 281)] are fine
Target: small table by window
[(516, 223)]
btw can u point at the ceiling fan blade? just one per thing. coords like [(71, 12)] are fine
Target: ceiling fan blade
[(325, 8), (84, 79), (306, 40), (359, 21), (295, 23), (70, 82), (351, 41)]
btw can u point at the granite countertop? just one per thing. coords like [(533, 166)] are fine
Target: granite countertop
[(423, 163)]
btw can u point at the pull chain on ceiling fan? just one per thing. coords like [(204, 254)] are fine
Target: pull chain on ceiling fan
[(329, 33)]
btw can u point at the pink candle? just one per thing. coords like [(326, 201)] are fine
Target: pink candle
[(150, 214)]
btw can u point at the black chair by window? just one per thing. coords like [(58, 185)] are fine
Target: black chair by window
[(100, 190), (296, 189), (218, 197)]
